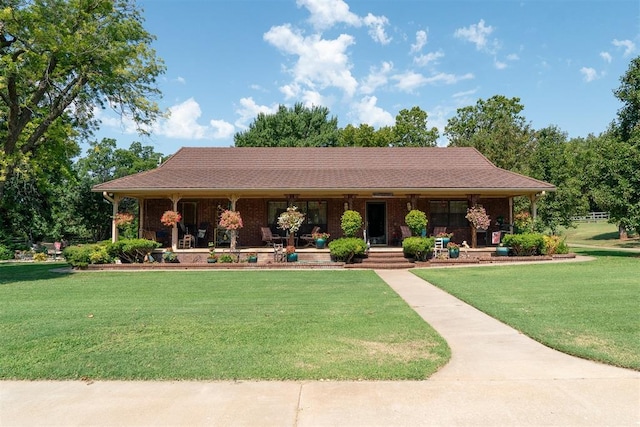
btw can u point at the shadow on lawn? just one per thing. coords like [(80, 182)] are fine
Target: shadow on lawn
[(29, 272), (606, 253)]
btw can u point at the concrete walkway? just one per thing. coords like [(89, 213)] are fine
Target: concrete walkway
[(496, 377)]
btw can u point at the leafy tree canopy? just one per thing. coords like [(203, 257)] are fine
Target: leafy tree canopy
[(496, 128), (411, 129), (59, 59), (299, 126)]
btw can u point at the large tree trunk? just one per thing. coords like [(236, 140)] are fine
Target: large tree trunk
[(622, 231)]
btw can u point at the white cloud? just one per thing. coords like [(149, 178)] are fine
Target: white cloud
[(409, 81), (182, 123), (628, 45), (327, 13), (424, 60), (513, 57), (478, 34), (311, 98), (376, 26), (368, 112), (222, 129), (606, 56), (321, 63), (181, 80), (499, 64), (249, 110), (377, 77), (589, 74), (421, 40)]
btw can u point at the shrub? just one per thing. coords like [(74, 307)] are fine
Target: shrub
[(523, 223), (82, 255), (131, 250), (351, 222), (526, 244), (416, 220), (40, 257), (346, 248), (169, 256), (551, 244), (417, 247), (5, 252), (226, 258)]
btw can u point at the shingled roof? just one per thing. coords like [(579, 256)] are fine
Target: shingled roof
[(213, 170)]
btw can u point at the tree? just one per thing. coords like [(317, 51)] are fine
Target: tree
[(88, 212), (555, 161), (628, 124), (59, 60), (299, 126), (411, 129), (613, 170), (496, 128)]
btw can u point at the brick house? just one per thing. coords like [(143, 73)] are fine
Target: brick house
[(380, 183)]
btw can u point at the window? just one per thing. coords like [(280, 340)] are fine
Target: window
[(315, 214), (448, 213)]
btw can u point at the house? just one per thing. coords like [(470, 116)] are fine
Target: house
[(381, 183)]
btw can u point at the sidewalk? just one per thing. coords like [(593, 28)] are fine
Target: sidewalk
[(496, 377)]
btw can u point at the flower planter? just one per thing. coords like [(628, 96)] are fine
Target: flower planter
[(252, 259), (502, 251), (320, 243), (454, 253), (292, 257), (445, 241), (212, 260)]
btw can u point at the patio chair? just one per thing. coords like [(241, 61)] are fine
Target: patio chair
[(186, 242), (406, 232), (270, 238), (279, 254), (439, 230), (439, 250), (308, 238)]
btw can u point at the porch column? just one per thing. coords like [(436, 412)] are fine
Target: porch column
[(174, 231), (533, 198), (114, 202), (141, 218), (511, 215)]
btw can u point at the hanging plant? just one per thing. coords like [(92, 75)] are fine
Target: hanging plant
[(231, 220), (123, 218), (478, 217), (170, 218), (290, 220)]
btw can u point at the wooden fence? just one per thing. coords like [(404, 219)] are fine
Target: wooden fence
[(592, 217)]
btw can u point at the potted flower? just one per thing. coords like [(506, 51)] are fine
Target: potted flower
[(170, 218), (320, 239), (292, 256), (252, 257), (212, 257), (290, 221), (479, 220), (502, 250), (170, 256), (231, 220), (454, 250)]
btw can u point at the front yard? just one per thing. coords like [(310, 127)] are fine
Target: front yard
[(213, 325), (588, 309)]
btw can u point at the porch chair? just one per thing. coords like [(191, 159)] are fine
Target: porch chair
[(439, 251), (270, 238), (406, 232), (279, 254), (186, 242), (308, 238), (439, 230)]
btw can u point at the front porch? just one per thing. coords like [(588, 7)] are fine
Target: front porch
[(312, 258)]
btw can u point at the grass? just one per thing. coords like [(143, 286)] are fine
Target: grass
[(587, 309), (599, 233), (214, 325)]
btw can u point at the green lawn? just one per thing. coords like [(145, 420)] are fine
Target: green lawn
[(599, 233), (588, 309), (213, 325)]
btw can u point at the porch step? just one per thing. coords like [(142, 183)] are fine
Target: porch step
[(384, 260)]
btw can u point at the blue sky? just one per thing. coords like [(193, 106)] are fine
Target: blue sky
[(228, 60)]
